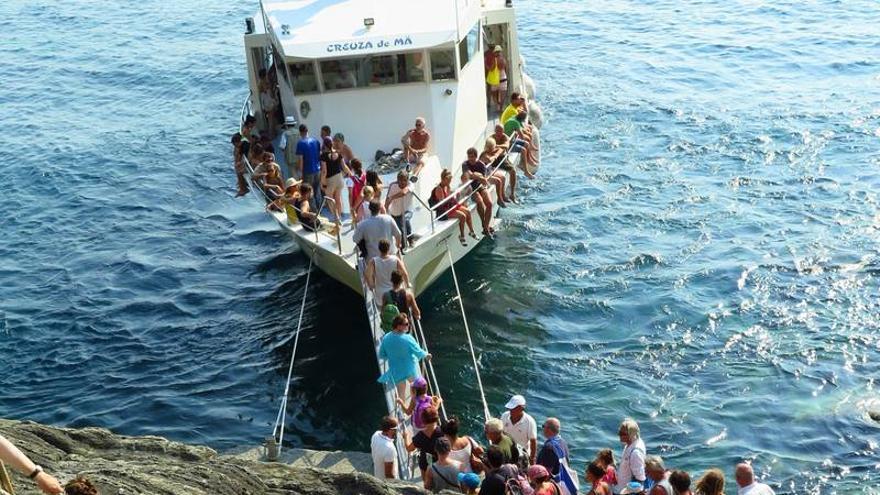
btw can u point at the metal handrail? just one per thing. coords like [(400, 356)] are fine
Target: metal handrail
[(454, 194), (428, 207), (245, 111)]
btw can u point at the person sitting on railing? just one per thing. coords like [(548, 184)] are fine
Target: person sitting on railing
[(517, 103), (503, 142), (445, 205), (307, 217), (415, 146), (418, 402), (380, 270), (291, 194), (372, 230), (239, 151), (398, 202), (480, 181), (268, 176), (522, 139), (493, 157), (249, 130), (255, 155), (400, 296), (333, 171), (402, 353)]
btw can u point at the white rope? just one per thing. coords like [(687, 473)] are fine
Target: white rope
[(468, 332), (282, 411)]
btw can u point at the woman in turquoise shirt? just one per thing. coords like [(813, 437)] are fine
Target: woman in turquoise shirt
[(402, 353)]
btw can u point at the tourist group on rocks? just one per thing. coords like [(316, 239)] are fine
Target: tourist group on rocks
[(511, 461)]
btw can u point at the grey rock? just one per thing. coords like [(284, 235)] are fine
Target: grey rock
[(126, 465)]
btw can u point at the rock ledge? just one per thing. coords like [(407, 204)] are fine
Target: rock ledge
[(120, 464)]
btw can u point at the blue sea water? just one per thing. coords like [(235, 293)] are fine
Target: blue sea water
[(700, 251)]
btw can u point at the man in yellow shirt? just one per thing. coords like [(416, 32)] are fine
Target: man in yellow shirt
[(516, 102)]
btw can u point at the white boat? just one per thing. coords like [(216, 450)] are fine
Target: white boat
[(402, 59), (369, 68)]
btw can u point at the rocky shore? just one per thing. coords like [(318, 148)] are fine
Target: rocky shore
[(153, 465)]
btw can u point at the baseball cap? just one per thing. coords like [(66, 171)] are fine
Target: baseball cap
[(420, 382), (469, 480), (515, 401)]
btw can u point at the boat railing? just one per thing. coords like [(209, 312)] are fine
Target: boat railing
[(454, 195), (245, 111)]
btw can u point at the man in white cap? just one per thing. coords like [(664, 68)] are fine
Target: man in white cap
[(288, 146), (521, 426)]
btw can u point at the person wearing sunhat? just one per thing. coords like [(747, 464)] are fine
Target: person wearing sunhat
[(521, 426), (289, 138)]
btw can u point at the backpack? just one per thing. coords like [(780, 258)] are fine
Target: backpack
[(389, 312), (518, 485)]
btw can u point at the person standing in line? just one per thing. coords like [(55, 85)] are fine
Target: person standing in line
[(746, 482), (521, 426), (632, 459), (15, 458), (380, 268), (383, 450), (425, 440), (656, 472), (548, 456), (443, 474), (402, 353), (494, 429), (372, 230), (605, 458), (681, 482), (594, 475), (401, 297), (308, 164), (289, 139), (711, 483), (398, 204)]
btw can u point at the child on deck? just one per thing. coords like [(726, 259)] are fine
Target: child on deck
[(419, 401)]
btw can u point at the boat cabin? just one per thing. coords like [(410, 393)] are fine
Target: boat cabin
[(369, 68)]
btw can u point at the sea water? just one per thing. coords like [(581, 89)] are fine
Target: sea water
[(699, 252)]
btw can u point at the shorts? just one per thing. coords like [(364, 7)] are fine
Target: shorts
[(502, 86), (334, 184)]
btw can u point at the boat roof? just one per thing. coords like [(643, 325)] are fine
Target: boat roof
[(336, 28)]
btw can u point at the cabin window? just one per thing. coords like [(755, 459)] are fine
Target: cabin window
[(343, 74), (443, 65), (394, 69), (304, 79), (410, 67), (469, 46)]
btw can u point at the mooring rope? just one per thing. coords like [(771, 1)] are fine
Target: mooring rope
[(468, 332), (278, 430)]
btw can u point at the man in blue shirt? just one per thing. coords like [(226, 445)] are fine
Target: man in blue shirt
[(308, 151), (554, 449)]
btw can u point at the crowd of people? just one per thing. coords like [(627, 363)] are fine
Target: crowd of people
[(322, 167), (512, 462), (11, 456)]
